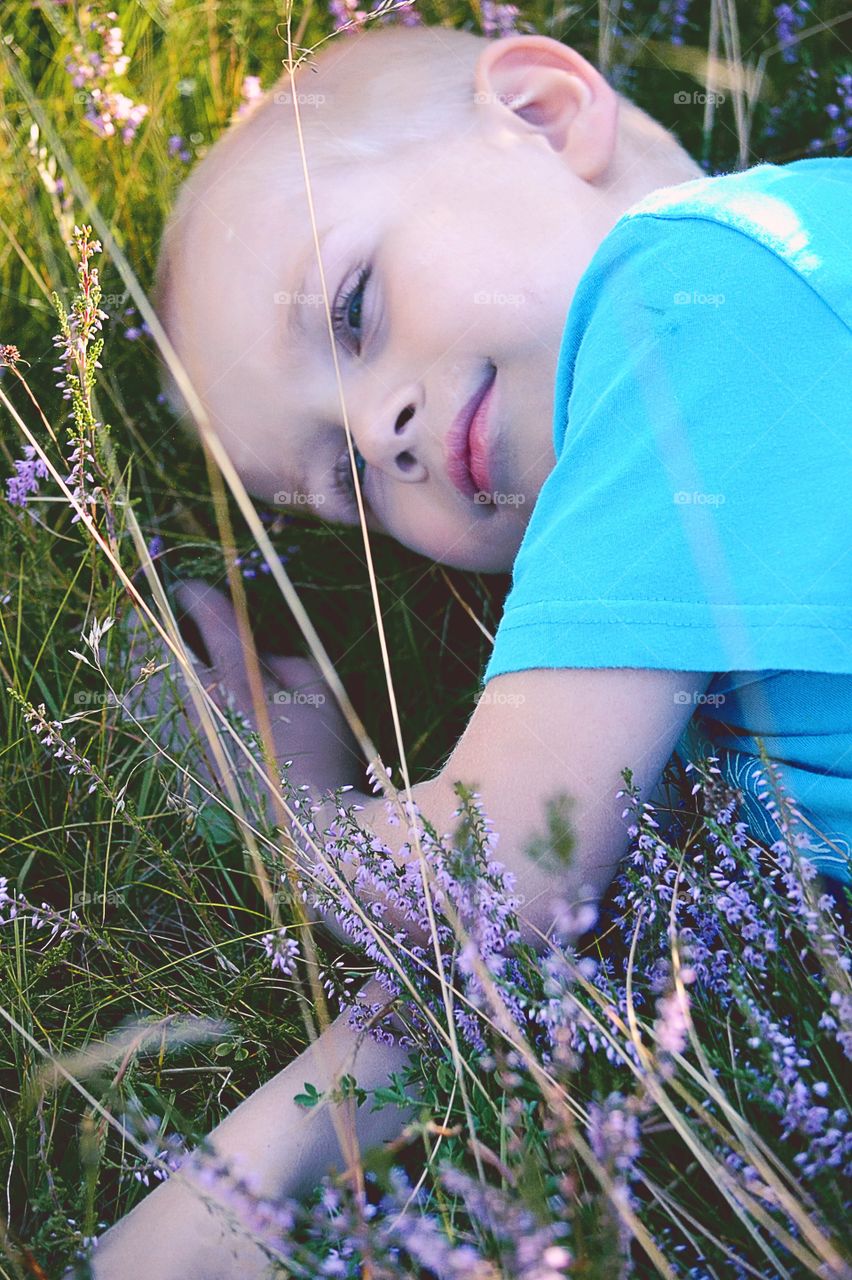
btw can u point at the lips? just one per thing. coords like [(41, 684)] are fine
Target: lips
[(467, 441)]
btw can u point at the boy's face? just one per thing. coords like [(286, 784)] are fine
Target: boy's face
[(472, 249)]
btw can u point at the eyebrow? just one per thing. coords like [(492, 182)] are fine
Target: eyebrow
[(296, 311)]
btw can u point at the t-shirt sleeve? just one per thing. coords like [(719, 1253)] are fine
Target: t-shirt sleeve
[(698, 516)]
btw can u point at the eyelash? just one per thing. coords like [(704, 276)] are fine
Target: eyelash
[(343, 483), (342, 302)]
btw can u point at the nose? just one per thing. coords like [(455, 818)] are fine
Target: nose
[(391, 438)]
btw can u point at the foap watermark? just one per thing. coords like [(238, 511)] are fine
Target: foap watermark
[(513, 100), (285, 499), (486, 497), (497, 698), (698, 98), (286, 299), (683, 498), (297, 698), (84, 698), (113, 897), (284, 98), (691, 697), (494, 298), (683, 298)]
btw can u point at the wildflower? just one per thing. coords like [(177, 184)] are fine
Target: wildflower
[(50, 735), (679, 20), (29, 470), (177, 147), (346, 15), (80, 348), (614, 1135), (43, 917), (528, 1248), (95, 70), (672, 1025), (270, 1222), (165, 1155), (468, 881), (499, 19), (840, 113), (282, 950), (250, 95), (789, 20)]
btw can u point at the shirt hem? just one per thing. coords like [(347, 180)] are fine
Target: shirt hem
[(673, 636)]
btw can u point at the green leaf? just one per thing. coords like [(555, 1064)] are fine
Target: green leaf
[(309, 1098)]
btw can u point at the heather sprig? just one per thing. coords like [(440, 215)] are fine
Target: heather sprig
[(96, 66), (80, 347), (789, 20), (463, 877), (347, 15), (15, 906)]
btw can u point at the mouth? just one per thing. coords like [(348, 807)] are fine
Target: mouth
[(467, 451)]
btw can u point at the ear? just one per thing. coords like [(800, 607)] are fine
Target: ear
[(535, 84)]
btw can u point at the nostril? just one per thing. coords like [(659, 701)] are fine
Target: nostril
[(406, 460), (405, 416)]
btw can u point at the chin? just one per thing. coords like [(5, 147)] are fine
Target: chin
[(481, 563), (488, 554)]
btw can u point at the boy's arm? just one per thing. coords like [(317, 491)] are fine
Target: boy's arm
[(542, 733), (177, 1234)]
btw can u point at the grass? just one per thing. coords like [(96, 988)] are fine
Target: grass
[(170, 908)]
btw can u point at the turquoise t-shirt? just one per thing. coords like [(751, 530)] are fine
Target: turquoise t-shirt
[(699, 516)]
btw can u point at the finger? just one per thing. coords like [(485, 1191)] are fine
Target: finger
[(295, 673), (214, 616)]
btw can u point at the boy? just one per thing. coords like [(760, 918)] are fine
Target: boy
[(653, 509)]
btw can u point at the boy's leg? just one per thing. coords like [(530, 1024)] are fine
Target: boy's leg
[(178, 1234)]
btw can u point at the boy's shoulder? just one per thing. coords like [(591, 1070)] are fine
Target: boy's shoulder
[(801, 212)]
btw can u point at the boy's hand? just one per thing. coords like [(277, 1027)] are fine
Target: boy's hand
[(306, 722)]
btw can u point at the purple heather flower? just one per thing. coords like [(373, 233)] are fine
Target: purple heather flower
[(346, 14), (95, 70), (614, 1137), (28, 472), (672, 1024), (177, 147), (499, 19), (789, 20), (282, 950), (676, 12), (16, 907), (529, 1249), (475, 886), (250, 94)]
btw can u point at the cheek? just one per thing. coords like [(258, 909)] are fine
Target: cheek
[(462, 276)]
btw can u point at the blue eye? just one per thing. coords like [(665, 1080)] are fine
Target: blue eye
[(346, 314)]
